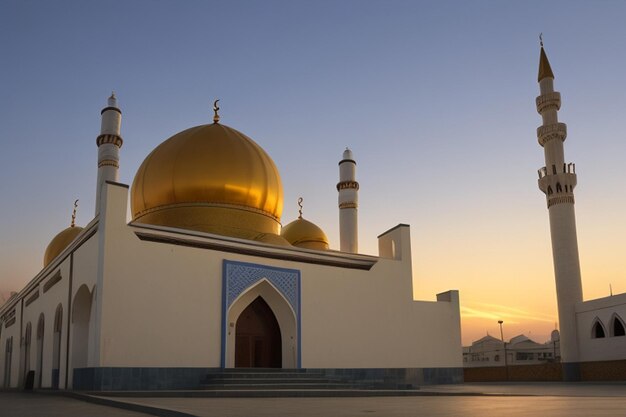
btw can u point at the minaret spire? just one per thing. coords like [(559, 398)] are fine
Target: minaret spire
[(109, 143), (557, 180), (348, 189), (545, 71)]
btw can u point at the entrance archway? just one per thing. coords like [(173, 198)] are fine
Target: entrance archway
[(257, 342), (282, 313)]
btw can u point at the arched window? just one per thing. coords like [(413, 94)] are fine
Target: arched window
[(81, 313), (597, 331), (8, 353), (56, 346), (40, 334), (549, 190), (618, 326), (25, 354), (558, 187)]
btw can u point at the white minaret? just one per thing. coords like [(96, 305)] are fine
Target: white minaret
[(109, 143), (557, 180), (348, 204)]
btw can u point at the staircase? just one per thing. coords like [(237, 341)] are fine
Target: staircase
[(274, 382)]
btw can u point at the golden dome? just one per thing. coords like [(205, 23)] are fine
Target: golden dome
[(210, 178), (304, 234), (59, 243)]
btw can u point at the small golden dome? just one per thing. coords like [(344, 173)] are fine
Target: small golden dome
[(59, 243), (304, 234), (210, 178)]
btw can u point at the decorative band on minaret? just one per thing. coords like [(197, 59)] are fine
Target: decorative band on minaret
[(109, 143), (348, 189), (557, 179)]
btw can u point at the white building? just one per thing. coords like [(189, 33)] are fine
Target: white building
[(591, 331), (204, 277), (520, 350)]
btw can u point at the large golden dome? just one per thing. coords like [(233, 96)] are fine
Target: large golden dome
[(210, 178), (59, 243)]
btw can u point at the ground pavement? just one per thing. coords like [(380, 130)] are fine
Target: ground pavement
[(468, 400)]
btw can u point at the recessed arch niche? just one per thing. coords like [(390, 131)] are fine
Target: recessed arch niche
[(279, 288)]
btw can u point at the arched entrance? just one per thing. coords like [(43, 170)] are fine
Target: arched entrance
[(282, 313), (279, 288), (258, 341)]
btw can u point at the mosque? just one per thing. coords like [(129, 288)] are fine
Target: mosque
[(204, 277)]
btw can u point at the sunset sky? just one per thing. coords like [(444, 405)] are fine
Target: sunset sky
[(435, 98)]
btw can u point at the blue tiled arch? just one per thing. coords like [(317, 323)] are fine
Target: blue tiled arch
[(237, 277)]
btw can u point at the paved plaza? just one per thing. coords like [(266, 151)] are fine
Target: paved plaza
[(13, 404), (485, 400)]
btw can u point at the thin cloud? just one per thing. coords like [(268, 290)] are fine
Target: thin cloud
[(497, 312), (516, 310)]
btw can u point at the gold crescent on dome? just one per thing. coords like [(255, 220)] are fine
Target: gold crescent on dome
[(216, 117)]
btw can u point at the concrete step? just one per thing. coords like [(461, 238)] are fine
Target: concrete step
[(292, 380), (264, 375), (259, 370), (280, 386), (258, 393), (234, 381)]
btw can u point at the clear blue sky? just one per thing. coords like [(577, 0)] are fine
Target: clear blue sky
[(435, 98)]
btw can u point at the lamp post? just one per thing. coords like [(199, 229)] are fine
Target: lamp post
[(506, 368)]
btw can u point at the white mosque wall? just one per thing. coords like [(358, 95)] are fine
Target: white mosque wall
[(40, 299), (161, 303), (138, 303), (603, 311), (162, 307), (353, 319)]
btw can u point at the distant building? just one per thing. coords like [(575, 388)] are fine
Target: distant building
[(520, 350)]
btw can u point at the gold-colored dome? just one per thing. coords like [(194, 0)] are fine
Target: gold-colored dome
[(210, 178), (304, 234), (59, 243)]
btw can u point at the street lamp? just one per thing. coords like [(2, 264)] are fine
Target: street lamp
[(506, 368)]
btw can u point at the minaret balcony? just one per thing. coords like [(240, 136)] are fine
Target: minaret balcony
[(109, 138), (565, 169), (549, 100), (549, 132), (561, 182)]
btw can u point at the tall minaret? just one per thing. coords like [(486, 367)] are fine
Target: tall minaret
[(348, 204), (557, 180), (109, 143)]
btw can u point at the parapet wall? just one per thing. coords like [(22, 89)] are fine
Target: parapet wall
[(589, 371)]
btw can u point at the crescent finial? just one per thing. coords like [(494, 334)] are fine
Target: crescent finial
[(300, 200), (541, 39), (74, 214), (216, 117)]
